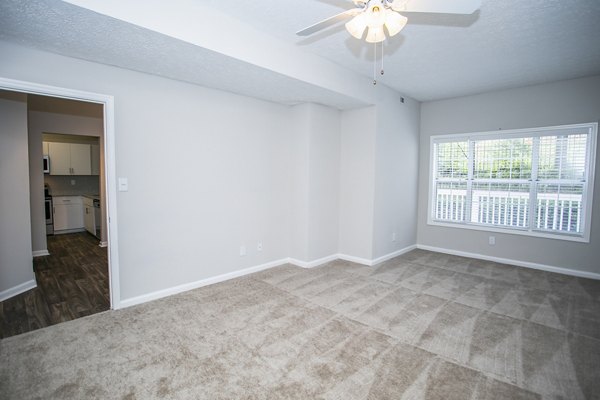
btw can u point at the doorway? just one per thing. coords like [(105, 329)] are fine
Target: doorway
[(104, 247)]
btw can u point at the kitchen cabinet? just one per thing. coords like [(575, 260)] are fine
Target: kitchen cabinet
[(69, 158), (89, 222), (95, 159), (68, 213), (60, 158)]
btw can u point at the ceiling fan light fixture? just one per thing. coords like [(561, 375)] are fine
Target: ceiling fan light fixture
[(375, 34), (357, 25), (394, 22), (375, 15)]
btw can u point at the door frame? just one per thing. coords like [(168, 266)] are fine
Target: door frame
[(107, 102)]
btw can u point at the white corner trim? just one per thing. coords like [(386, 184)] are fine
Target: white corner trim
[(393, 254), (314, 263), (103, 244), (526, 264), (370, 263), (40, 253), (197, 284), (354, 259), (13, 291)]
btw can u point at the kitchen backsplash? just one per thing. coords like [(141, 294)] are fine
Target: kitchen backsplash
[(61, 185)]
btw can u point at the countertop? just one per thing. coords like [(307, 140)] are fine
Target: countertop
[(89, 196)]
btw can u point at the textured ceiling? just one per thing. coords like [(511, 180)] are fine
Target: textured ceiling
[(65, 29), (508, 43)]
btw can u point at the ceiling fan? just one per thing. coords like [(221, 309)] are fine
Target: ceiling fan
[(377, 14)]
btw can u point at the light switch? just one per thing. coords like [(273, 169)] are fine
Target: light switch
[(123, 185)]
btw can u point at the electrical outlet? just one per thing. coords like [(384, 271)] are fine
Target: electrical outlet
[(72, 182), (259, 246), (393, 236), (492, 240), (242, 250)]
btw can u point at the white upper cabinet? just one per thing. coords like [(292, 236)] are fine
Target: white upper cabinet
[(60, 158), (69, 158), (81, 162)]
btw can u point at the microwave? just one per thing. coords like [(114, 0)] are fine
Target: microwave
[(46, 164)]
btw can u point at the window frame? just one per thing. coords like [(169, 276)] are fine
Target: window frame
[(591, 129)]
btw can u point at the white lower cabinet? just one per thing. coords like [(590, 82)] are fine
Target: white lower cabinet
[(88, 215), (68, 213)]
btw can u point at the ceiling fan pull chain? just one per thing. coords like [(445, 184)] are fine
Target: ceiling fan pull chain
[(382, 55), (375, 64)]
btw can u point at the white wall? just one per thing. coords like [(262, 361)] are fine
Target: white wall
[(209, 171), (324, 178), (315, 156), (45, 122), (559, 103), (396, 175), (16, 266), (299, 181), (357, 182)]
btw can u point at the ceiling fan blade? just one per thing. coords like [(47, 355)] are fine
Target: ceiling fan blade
[(329, 21), (437, 6)]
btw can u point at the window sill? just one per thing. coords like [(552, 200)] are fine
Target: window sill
[(512, 231)]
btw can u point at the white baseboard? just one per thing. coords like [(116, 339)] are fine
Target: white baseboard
[(194, 285), (220, 278), (526, 264), (103, 244), (314, 263), (13, 291), (40, 253)]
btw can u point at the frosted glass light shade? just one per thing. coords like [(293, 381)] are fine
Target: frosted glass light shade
[(394, 22), (375, 35), (357, 25)]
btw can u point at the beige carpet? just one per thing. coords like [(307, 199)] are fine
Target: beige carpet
[(421, 326)]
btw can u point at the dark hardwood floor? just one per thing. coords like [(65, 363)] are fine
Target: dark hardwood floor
[(72, 282)]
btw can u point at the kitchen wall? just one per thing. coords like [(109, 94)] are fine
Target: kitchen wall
[(48, 122), (16, 266), (210, 171), (558, 103), (63, 185)]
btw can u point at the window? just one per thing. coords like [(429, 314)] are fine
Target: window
[(536, 182)]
